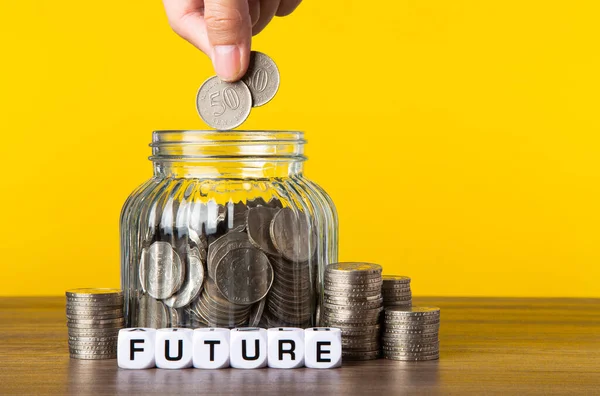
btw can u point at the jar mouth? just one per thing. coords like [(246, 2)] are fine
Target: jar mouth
[(247, 145)]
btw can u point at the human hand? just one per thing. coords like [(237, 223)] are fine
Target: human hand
[(223, 29)]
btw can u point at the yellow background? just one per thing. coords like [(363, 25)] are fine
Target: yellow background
[(459, 139)]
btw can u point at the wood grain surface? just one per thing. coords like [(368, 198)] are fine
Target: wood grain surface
[(488, 346)]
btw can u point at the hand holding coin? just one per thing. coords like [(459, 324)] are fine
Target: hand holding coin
[(223, 29)]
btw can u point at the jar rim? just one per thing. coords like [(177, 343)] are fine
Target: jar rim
[(199, 136), (177, 145)]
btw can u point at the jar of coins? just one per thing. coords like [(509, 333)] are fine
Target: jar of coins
[(228, 233)]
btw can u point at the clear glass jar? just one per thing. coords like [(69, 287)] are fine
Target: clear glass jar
[(227, 233)]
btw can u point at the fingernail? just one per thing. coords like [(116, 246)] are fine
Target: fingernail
[(226, 61)]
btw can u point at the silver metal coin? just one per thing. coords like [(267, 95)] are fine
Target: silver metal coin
[(244, 276), (258, 224), (415, 311), (345, 268), (293, 236), (262, 78), (92, 357), (405, 358), (161, 271), (96, 322), (94, 293), (152, 313), (257, 313), (223, 245), (192, 284), (223, 105)]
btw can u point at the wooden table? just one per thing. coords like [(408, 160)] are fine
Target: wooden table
[(488, 346)]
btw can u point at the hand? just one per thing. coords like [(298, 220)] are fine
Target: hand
[(223, 29)]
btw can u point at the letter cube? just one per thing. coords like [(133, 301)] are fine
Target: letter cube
[(248, 348), (323, 347), (135, 348), (285, 347), (211, 348), (174, 348)]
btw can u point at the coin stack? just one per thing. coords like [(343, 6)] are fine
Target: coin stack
[(94, 317), (396, 291), (411, 333), (226, 105), (352, 302)]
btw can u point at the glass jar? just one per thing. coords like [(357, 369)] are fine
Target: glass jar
[(227, 233)]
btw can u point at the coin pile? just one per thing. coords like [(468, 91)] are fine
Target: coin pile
[(256, 267), (352, 302), (396, 291), (411, 333), (225, 105), (94, 317)]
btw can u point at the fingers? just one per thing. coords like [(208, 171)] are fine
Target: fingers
[(254, 6), (229, 31), (187, 20), (268, 8), (286, 7)]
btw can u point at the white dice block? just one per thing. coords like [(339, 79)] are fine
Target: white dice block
[(248, 348), (174, 348), (211, 348), (322, 347), (285, 347), (135, 348)]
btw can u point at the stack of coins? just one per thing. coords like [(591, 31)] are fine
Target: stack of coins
[(352, 302), (94, 317), (396, 291), (411, 333)]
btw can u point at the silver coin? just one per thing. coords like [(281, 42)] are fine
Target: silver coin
[(344, 268), (223, 105), (412, 320), (353, 300), (152, 313), (93, 332), (95, 346), (423, 350), (94, 293), (415, 311), (95, 322), (405, 358), (223, 245), (96, 312), (352, 306), (256, 313), (292, 235), (258, 224), (92, 357), (107, 304), (375, 293), (94, 339), (192, 284), (161, 270), (244, 276), (262, 78), (213, 296), (395, 279)]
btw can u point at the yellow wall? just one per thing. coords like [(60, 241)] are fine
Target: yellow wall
[(459, 139)]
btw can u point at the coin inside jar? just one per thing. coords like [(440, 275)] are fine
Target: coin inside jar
[(244, 276), (292, 235), (161, 270)]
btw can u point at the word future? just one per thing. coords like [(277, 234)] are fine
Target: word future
[(215, 348)]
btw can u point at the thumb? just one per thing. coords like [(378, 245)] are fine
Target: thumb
[(229, 31)]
